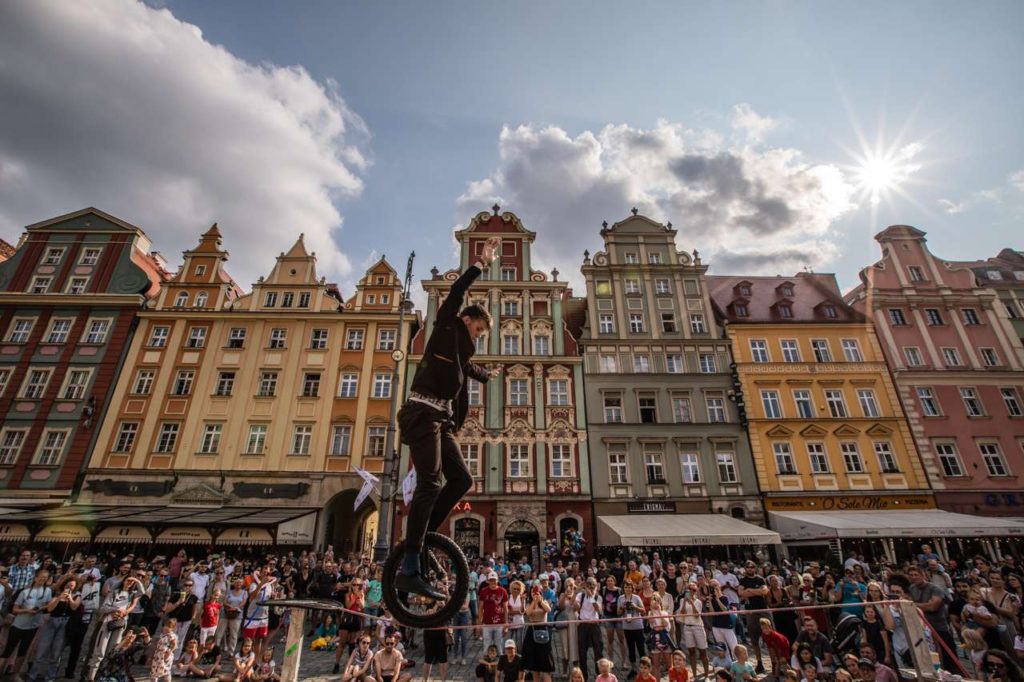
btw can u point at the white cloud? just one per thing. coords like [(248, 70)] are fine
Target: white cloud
[(1017, 180), (122, 106), (737, 201), (748, 122)]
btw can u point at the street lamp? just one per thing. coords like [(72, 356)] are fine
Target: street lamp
[(389, 482)]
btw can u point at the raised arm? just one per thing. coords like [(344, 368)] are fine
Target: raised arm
[(457, 294)]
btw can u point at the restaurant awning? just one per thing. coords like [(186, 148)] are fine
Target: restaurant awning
[(245, 536), (912, 523), (184, 535), (124, 534), (14, 532), (166, 515), (653, 530), (64, 532)]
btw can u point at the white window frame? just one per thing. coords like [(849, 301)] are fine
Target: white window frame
[(471, 455), (52, 445), (930, 405), (971, 318), (641, 363), (270, 299), (519, 454), (821, 351), (127, 436), (59, 336), (562, 465), (912, 354), (348, 385), (225, 383), (75, 390), (971, 398), (790, 350), (618, 465), (668, 323), (21, 329), (90, 255), (376, 441), (759, 351), (510, 307), (40, 285), (661, 286), (311, 384), (631, 286), (606, 324), (541, 344), (77, 285), (96, 331), (689, 466), (949, 459), (387, 339), (1011, 400), (851, 350), (817, 457), (646, 401), (697, 324), (992, 456), (674, 363), (158, 337), (609, 364), (184, 382), (354, 339), (54, 255), (144, 379), (196, 337), (209, 443), (181, 300), (715, 406), (201, 300), (256, 441), (636, 323), (341, 440), (897, 318), (708, 363), (302, 440), (318, 338), (989, 357), (836, 402), (278, 338), (771, 403), (682, 409), (853, 462), (951, 357), (267, 387), (613, 413), (726, 463), (167, 438), (868, 402), (518, 392), (933, 317), (12, 441), (785, 463), (654, 463), (510, 344), (35, 390), (887, 462), (381, 385), (558, 392), (803, 396)]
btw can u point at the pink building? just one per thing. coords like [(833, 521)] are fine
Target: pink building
[(958, 366)]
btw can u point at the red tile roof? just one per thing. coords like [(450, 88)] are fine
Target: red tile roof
[(812, 295)]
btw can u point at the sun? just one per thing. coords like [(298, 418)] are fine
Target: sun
[(879, 172)]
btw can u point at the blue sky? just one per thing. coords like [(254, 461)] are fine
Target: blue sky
[(425, 90)]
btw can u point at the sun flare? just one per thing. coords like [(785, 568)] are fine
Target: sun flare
[(880, 172)]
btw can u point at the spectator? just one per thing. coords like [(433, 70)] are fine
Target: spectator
[(162, 660), (28, 616), (588, 631), (493, 601), (487, 666), (387, 663), (753, 590), (116, 665), (723, 622), (691, 627), (932, 601), (113, 624), (50, 642), (778, 646), (818, 643), (256, 620), (181, 607), (21, 574), (631, 608), (359, 667)]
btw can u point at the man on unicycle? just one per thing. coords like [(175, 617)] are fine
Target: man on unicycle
[(433, 414)]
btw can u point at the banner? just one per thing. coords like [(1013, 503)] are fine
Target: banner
[(369, 483), (409, 486)]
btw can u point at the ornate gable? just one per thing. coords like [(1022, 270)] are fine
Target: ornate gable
[(779, 431), (846, 431), (813, 431), (877, 430)]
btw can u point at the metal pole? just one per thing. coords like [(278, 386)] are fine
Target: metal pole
[(387, 484)]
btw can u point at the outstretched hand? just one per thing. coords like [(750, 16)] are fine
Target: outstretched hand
[(493, 371), (490, 250)]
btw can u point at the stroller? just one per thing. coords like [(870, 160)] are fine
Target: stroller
[(846, 635)]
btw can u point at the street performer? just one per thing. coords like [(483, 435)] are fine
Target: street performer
[(437, 406)]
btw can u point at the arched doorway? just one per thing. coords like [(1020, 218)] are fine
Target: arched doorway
[(466, 533), (522, 540), (348, 530)]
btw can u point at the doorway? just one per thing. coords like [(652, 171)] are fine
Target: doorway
[(349, 531), (522, 540)]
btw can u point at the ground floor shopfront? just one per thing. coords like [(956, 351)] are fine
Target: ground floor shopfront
[(981, 502)]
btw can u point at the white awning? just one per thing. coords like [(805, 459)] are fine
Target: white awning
[(906, 523), (654, 530)]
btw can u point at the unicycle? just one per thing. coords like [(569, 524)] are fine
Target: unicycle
[(445, 567)]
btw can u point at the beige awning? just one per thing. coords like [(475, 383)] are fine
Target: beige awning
[(655, 530), (184, 535), (245, 536), (14, 532), (64, 532), (124, 534), (297, 531), (904, 523)]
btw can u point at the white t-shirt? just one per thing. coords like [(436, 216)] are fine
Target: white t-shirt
[(257, 614), (730, 586), (200, 581)]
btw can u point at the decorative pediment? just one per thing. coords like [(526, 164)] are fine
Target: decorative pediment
[(519, 430), (779, 431), (200, 494), (559, 372), (879, 430), (511, 326), (472, 432), (561, 431), (847, 431), (540, 327), (518, 372), (813, 431)]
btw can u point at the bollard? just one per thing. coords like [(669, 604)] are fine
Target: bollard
[(919, 650), (293, 645)]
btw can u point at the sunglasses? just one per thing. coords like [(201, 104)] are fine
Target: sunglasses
[(992, 666)]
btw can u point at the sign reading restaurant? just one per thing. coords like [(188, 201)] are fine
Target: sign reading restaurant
[(849, 502)]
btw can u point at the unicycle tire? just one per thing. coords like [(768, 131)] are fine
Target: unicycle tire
[(445, 555)]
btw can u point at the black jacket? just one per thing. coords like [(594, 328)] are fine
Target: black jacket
[(447, 359)]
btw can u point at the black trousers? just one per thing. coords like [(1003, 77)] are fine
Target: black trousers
[(434, 451), (635, 645), (588, 636)]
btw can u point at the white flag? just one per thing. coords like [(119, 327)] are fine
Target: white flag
[(367, 476), (368, 485), (409, 486)]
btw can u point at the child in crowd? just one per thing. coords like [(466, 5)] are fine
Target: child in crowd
[(742, 670), (719, 656), (645, 671), (163, 657), (487, 667), (976, 646), (210, 616), (266, 670), (678, 671), (604, 669)]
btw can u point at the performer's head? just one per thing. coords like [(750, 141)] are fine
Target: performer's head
[(477, 320)]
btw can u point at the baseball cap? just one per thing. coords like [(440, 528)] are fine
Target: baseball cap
[(865, 663), (510, 644), (492, 576)]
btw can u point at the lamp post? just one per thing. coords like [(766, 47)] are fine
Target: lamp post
[(389, 482)]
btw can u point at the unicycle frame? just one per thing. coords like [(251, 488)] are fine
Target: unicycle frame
[(458, 583)]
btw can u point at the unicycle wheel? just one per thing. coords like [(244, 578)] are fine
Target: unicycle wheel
[(445, 567)]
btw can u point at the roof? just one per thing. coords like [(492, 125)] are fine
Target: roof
[(913, 523), (639, 530), (812, 294), (6, 250)]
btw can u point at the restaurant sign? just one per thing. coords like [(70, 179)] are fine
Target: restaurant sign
[(849, 502)]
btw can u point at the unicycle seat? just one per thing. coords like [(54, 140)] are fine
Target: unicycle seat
[(444, 567)]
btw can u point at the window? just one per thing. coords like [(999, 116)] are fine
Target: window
[(641, 363), (726, 467), (287, 299), (790, 350), (950, 459), (804, 405), (613, 409), (167, 441), (53, 256), (654, 463), (674, 363), (52, 447), (851, 350), (200, 270), (20, 331), (817, 457), (929, 403), (851, 458), (933, 316), (561, 461), (618, 470), (994, 461), (35, 383), (541, 344), (648, 406), (201, 299), (59, 330), (741, 310), (716, 410), (609, 364), (989, 357), (896, 317), (821, 351), (77, 285), (784, 459), (302, 438), (510, 307), (270, 300), (913, 356), (519, 460), (951, 356), (210, 444), (183, 382), (471, 454), (708, 363), (786, 290), (654, 258), (632, 286), (1012, 402), (382, 385), (606, 324), (278, 337), (257, 440), (510, 344), (661, 286), (310, 385), (759, 350), (830, 311), (304, 299), (480, 344), (126, 435), (74, 387), (668, 323), (11, 442), (318, 339), (689, 462), (225, 383), (744, 289), (868, 404), (97, 331), (236, 337), (886, 459), (196, 337), (1011, 310), (158, 337), (971, 317), (518, 392), (376, 441), (508, 274), (473, 392), (40, 285), (681, 412), (836, 403), (785, 310), (90, 256), (268, 384), (181, 300), (603, 288), (631, 258), (354, 339), (558, 392), (772, 404), (371, 299), (971, 402), (697, 325), (348, 385), (916, 274), (636, 323), (143, 381)]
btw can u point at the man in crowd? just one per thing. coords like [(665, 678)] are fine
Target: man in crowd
[(493, 604), (588, 631), (932, 601), (753, 590), (818, 642)]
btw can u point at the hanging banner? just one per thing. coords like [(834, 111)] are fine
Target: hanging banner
[(369, 483), (409, 486)]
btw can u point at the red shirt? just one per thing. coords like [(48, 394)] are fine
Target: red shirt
[(211, 614), (678, 675), (645, 678), (777, 643), (493, 600)]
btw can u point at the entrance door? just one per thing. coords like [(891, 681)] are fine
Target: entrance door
[(522, 540)]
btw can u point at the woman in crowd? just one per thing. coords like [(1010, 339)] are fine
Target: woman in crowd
[(778, 598), (537, 657), (28, 616), (568, 610), (50, 642), (116, 666)]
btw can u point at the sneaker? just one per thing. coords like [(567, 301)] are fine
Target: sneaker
[(415, 584), (760, 668)]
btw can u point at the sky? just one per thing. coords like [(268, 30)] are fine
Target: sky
[(775, 136)]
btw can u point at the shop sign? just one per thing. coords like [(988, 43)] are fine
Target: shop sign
[(1004, 500), (651, 507), (850, 503)]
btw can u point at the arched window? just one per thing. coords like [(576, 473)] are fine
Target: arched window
[(739, 513), (201, 299), (467, 536), (181, 300)]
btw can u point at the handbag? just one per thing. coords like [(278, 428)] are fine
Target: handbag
[(541, 635)]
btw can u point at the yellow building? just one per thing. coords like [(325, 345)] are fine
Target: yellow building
[(826, 426), (242, 418)]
